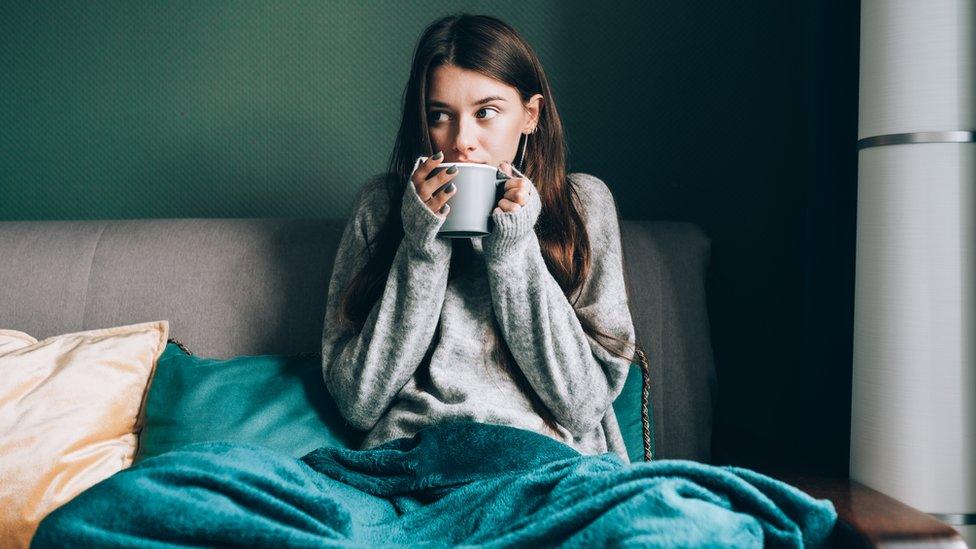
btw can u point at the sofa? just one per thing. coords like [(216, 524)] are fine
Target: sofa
[(231, 287)]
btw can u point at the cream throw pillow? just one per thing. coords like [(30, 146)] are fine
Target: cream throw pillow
[(12, 339), (71, 407)]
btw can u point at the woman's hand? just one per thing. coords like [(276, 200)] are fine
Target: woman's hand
[(432, 191), (516, 192)]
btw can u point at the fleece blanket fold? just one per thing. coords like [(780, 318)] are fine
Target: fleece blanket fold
[(452, 484)]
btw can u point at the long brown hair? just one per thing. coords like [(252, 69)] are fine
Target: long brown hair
[(493, 48)]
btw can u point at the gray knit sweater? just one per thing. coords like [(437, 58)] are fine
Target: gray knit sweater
[(422, 356)]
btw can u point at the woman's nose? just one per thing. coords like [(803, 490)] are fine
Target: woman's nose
[(466, 138)]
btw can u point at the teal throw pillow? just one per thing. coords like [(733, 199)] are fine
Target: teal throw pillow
[(627, 407), (278, 401)]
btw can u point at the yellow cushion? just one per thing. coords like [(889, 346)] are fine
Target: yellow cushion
[(71, 407)]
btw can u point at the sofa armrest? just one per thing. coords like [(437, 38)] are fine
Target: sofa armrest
[(868, 518)]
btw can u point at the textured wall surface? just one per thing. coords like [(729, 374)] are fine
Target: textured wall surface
[(210, 109), (251, 109), (740, 117)]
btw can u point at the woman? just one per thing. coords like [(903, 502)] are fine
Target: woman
[(471, 441), (500, 329)]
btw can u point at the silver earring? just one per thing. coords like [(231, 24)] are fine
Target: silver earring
[(521, 156)]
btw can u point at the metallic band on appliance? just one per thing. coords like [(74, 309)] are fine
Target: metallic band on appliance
[(960, 136)]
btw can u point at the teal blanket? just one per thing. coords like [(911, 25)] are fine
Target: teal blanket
[(461, 483)]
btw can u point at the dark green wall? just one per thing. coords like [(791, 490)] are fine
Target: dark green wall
[(212, 109), (740, 117)]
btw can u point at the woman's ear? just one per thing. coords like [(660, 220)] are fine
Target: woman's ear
[(533, 108)]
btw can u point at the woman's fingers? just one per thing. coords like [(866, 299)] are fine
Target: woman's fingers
[(427, 186), (440, 198), (436, 184), (420, 175), (518, 196), (506, 168), (507, 205), (517, 190)]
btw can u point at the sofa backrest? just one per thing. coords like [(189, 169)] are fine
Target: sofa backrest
[(230, 287)]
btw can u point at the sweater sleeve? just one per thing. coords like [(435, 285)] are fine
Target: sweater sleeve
[(365, 369), (575, 376)]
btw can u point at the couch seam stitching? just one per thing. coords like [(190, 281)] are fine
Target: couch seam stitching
[(91, 264)]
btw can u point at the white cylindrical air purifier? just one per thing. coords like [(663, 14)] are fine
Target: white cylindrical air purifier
[(913, 417)]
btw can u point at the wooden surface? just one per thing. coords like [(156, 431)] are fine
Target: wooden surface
[(868, 518)]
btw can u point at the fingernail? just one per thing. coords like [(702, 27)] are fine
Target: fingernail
[(445, 207), (438, 155), (450, 187), (452, 169)]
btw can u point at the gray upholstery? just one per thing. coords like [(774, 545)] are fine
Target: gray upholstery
[(257, 286)]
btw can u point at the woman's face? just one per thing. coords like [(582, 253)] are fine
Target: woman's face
[(469, 129)]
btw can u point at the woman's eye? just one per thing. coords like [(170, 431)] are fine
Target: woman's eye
[(434, 120)]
